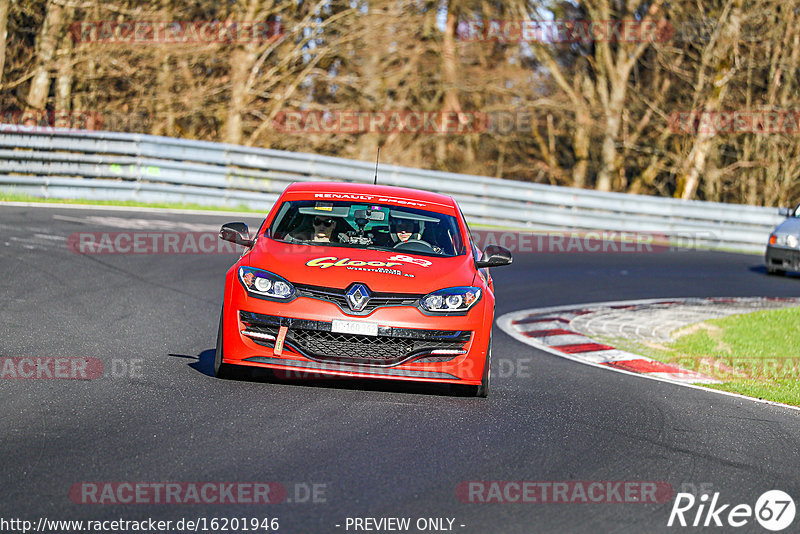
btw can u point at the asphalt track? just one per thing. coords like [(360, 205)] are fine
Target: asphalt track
[(382, 450)]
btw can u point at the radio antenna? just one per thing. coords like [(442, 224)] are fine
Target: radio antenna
[(378, 157)]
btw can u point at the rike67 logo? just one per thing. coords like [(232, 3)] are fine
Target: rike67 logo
[(774, 510)]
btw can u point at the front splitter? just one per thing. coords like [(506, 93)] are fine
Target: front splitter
[(351, 369)]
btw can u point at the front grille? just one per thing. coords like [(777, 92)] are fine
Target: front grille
[(392, 346), (338, 297), (330, 345), (783, 258)]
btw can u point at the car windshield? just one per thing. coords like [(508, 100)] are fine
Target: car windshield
[(367, 226)]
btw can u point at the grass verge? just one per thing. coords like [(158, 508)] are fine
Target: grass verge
[(17, 197), (755, 354)]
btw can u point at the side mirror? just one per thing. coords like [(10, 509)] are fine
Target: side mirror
[(494, 256), (786, 212), (236, 232)]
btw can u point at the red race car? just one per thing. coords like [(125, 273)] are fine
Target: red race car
[(362, 281)]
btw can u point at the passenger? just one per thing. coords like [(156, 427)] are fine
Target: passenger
[(321, 230)]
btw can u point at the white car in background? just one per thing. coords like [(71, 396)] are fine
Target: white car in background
[(783, 249)]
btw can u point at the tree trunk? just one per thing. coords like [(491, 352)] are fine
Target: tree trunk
[(4, 4), (450, 82), (236, 105), (46, 43), (724, 65), (242, 60), (608, 152), (63, 92), (581, 140), (165, 117), (164, 123)]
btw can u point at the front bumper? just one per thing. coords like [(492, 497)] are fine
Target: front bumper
[(408, 344), (785, 259)]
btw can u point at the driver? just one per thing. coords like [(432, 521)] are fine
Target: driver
[(401, 230)]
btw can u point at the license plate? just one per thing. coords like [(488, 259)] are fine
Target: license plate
[(354, 327)]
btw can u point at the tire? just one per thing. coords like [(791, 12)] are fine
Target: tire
[(482, 390), (775, 272), (221, 370)]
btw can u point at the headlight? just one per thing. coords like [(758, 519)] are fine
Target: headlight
[(265, 283), (784, 240), (452, 299)]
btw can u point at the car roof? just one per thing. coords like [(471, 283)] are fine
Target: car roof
[(340, 190)]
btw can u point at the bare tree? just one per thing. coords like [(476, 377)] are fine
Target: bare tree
[(46, 45), (4, 5), (598, 112)]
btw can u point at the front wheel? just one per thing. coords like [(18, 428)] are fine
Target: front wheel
[(482, 390), (221, 370)]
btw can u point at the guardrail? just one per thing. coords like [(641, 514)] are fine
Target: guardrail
[(62, 163)]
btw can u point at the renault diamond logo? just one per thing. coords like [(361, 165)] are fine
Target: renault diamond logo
[(357, 297)]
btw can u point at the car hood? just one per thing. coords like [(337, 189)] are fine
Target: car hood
[(789, 226), (381, 271)]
